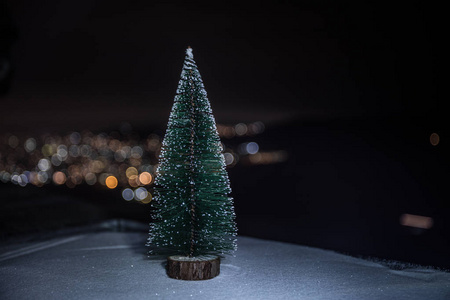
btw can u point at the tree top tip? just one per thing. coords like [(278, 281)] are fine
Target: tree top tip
[(189, 52)]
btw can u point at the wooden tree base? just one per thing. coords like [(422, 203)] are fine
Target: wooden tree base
[(193, 268)]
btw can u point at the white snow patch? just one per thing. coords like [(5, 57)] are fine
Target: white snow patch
[(259, 270), (38, 247)]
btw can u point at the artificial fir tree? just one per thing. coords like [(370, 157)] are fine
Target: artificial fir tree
[(193, 214)]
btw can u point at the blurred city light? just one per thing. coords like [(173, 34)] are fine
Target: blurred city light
[(74, 151), (102, 178), (416, 221), (5, 176), (266, 158), (229, 158), (120, 155), (137, 152), (252, 148), (75, 138), (56, 160), (111, 160), (47, 150), (30, 145), (434, 139), (128, 194), (240, 129), (44, 164), (133, 181), (145, 178), (59, 178), (111, 182), (22, 180), (42, 177), (131, 171), (90, 178), (140, 194), (256, 128), (147, 199), (62, 152), (13, 141)]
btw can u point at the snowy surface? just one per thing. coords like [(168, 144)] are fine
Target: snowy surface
[(113, 265)]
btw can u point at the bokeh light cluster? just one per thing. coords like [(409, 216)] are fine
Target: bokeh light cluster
[(118, 160), (113, 161), (240, 129)]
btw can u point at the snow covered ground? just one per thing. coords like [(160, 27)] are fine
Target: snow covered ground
[(113, 265)]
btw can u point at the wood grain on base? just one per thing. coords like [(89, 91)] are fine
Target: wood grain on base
[(193, 268)]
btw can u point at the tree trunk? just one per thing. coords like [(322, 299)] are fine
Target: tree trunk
[(193, 268)]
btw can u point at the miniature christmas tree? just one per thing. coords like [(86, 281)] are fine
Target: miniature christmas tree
[(193, 214)]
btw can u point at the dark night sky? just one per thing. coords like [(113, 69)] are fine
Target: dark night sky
[(93, 64)]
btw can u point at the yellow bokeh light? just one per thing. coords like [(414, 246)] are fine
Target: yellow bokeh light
[(47, 150), (145, 178), (133, 181), (111, 182), (147, 199), (131, 171)]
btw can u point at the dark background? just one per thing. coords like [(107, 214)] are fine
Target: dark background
[(351, 90)]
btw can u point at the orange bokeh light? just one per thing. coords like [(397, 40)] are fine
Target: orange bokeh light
[(145, 178), (111, 182), (59, 178)]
